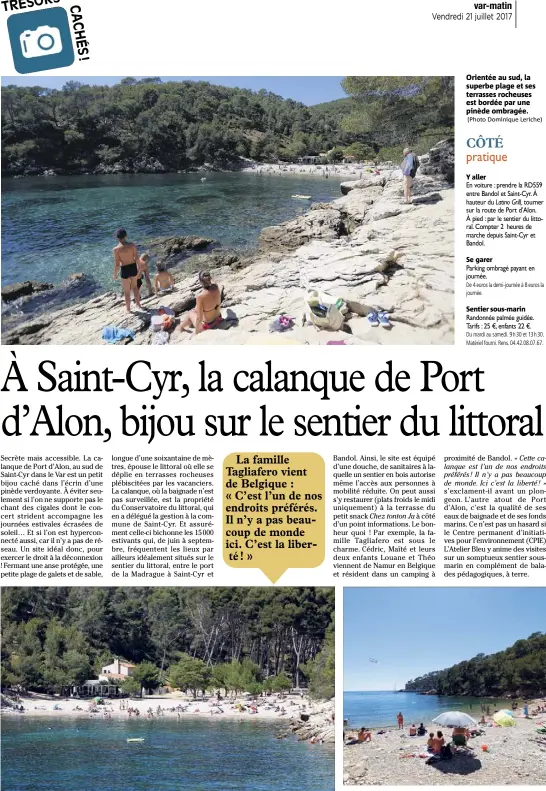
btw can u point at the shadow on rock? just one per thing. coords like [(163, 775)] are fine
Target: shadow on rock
[(459, 765), (430, 198), (230, 319)]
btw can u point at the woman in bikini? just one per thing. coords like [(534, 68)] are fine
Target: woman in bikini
[(206, 315), (125, 264)]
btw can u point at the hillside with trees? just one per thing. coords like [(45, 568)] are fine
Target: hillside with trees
[(520, 670), (148, 125), (234, 639), (389, 113)]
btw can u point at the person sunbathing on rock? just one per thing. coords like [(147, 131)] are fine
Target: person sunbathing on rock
[(163, 281), (207, 314)]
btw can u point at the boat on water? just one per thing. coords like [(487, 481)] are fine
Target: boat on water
[(135, 740), (302, 197)]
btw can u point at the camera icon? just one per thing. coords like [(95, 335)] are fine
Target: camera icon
[(44, 40), (40, 40)]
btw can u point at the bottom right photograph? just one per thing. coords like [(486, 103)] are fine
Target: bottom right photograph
[(444, 686)]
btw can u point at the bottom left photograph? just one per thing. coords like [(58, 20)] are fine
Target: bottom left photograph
[(143, 688)]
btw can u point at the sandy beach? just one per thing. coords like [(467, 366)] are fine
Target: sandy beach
[(514, 756), (334, 171), (177, 706)]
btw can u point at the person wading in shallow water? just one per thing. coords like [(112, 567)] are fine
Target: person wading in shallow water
[(125, 264), (206, 315)]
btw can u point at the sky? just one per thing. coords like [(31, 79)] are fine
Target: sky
[(412, 631), (309, 90)]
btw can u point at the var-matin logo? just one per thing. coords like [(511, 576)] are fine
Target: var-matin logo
[(42, 40)]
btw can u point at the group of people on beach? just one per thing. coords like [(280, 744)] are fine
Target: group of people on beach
[(133, 269), (409, 166), (322, 170), (436, 744), (104, 708)]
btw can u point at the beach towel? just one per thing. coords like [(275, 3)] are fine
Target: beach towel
[(116, 334)]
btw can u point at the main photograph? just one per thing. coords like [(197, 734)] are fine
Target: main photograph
[(228, 210), (161, 688)]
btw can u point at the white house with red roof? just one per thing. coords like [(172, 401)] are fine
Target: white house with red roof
[(118, 670)]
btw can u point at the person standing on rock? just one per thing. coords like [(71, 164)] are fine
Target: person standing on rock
[(144, 272), (409, 166), (125, 264)]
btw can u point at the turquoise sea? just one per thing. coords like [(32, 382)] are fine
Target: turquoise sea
[(197, 755), (54, 226), (376, 709)]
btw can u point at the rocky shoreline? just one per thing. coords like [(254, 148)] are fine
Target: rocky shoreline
[(317, 726), (366, 247), (144, 165)]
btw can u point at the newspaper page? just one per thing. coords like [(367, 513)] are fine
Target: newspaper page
[(228, 303)]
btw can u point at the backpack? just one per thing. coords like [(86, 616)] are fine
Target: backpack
[(415, 167)]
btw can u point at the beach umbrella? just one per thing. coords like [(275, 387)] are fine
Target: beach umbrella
[(507, 711), (504, 719), (454, 719)]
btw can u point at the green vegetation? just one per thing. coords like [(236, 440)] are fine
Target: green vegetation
[(147, 125), (150, 125), (391, 112), (233, 639), (519, 670), (322, 671), (189, 673), (146, 675)]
